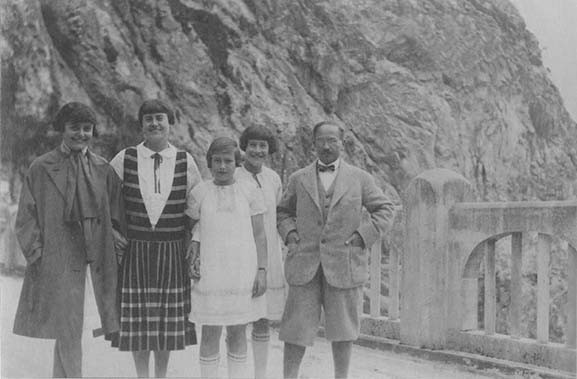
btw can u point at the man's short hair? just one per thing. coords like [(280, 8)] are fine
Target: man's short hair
[(319, 124), (74, 112), (223, 145), (257, 132), (155, 106)]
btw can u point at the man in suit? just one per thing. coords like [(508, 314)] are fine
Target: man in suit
[(320, 219)]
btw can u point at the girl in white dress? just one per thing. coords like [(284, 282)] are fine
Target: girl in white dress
[(233, 259), (258, 142)]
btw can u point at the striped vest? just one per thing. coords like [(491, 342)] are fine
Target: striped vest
[(171, 225)]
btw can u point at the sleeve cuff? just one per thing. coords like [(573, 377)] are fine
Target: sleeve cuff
[(368, 234), (285, 227), (196, 233)]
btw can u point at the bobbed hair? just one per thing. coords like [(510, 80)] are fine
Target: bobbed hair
[(260, 133), (319, 124), (155, 106), (223, 145), (74, 112)]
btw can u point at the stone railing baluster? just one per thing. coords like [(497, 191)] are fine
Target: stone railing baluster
[(571, 329), (393, 283), (490, 313), (543, 297), (516, 285), (375, 279)]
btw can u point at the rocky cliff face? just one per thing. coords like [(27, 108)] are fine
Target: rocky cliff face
[(416, 84)]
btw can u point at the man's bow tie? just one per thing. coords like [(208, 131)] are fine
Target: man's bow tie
[(323, 168)]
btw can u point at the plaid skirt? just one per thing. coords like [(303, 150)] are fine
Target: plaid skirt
[(154, 296)]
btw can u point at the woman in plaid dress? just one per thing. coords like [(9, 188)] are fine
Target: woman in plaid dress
[(154, 287)]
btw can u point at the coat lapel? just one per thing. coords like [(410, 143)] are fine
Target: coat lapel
[(57, 170), (340, 183), (310, 183)]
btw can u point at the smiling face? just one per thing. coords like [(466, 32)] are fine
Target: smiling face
[(155, 128), (77, 135), (328, 143), (222, 167), (256, 153)]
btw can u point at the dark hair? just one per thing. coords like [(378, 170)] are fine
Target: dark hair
[(319, 124), (257, 132), (155, 106), (74, 112), (223, 145)]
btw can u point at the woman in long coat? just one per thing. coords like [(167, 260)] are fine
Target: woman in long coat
[(68, 204)]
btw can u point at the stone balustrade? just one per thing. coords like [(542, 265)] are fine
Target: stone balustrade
[(447, 241)]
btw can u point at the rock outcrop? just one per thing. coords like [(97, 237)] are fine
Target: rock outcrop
[(416, 84)]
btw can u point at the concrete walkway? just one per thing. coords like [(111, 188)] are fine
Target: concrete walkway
[(32, 358)]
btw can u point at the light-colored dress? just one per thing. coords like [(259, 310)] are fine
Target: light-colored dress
[(228, 257), (270, 185)]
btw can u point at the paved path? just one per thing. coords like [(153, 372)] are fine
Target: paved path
[(32, 358)]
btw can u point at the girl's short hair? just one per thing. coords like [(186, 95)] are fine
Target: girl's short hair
[(223, 145), (257, 132), (74, 112), (155, 106)]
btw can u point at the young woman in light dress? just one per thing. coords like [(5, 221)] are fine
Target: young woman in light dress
[(258, 143)]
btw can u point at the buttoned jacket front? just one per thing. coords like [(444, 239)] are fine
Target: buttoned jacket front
[(321, 242)]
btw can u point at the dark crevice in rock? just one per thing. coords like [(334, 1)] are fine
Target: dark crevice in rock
[(216, 36), (155, 53), (224, 103), (313, 82), (542, 121), (109, 50)]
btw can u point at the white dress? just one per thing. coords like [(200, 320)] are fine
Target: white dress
[(228, 257), (270, 185)]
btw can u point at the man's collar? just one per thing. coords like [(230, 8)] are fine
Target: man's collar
[(336, 163), (169, 152)]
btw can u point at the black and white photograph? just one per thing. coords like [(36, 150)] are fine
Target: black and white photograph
[(364, 189)]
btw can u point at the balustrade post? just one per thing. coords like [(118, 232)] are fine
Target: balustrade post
[(516, 285), (375, 279), (543, 294), (393, 283), (470, 303), (571, 329), (430, 275), (490, 310)]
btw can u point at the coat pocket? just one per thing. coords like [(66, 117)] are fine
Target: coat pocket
[(359, 264)]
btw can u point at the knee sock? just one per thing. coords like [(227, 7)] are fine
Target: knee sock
[(237, 367), (260, 344), (209, 366)]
